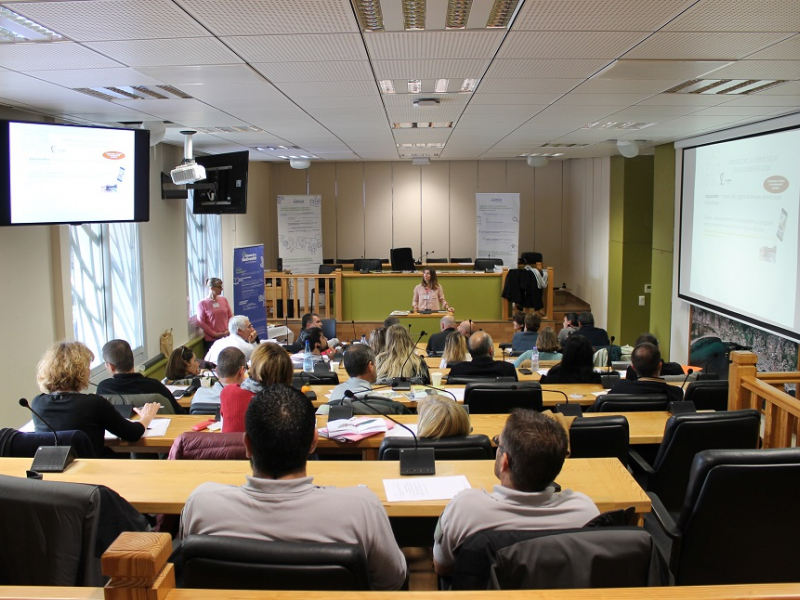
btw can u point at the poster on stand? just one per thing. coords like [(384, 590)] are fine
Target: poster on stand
[(300, 233), (248, 286), (498, 227)]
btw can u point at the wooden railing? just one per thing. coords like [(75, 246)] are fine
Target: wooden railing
[(295, 295), (764, 391)]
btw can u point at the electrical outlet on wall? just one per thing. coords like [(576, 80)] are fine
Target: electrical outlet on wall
[(641, 300)]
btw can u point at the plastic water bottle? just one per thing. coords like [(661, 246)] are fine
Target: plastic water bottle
[(364, 340), (535, 359), (308, 362)]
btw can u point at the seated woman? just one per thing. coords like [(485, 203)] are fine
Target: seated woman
[(576, 364), (441, 417), (377, 340), (269, 364), (455, 350), (62, 374), (400, 358), (182, 368), (546, 344)]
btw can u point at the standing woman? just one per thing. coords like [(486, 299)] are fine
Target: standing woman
[(429, 295), (213, 314)]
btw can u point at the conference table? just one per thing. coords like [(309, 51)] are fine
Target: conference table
[(645, 428), (162, 486)]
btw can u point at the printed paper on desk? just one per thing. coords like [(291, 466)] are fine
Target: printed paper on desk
[(158, 428), (543, 371), (402, 432), (415, 489), (177, 388)]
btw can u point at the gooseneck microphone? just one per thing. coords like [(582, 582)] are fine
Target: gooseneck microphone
[(355, 339), (413, 461), (49, 459), (404, 383), (24, 402), (688, 374)]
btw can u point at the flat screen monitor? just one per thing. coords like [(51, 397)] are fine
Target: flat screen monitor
[(224, 190), (71, 174)]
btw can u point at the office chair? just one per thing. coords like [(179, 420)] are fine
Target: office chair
[(685, 435), (437, 261), (199, 445), (708, 394), (324, 269), (481, 264), (222, 562), (24, 444), (739, 521), (530, 258), (140, 400), (465, 260), (402, 259), (468, 447), (489, 397), (629, 403), (369, 264), (600, 437)]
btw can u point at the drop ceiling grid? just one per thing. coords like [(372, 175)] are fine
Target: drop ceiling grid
[(650, 114), (766, 101), (739, 15), (497, 124), (578, 115), (730, 110), (159, 53), (251, 93), (259, 17), (502, 100), (702, 46), (788, 49), (574, 99), (683, 100), (76, 78), (374, 112), (108, 112), (544, 69), (431, 69), (318, 71), (298, 47), (528, 86), (569, 44), (591, 15), (433, 45), (346, 101), (759, 69), (113, 19), (514, 109), (46, 57), (625, 86), (219, 76), (312, 89)]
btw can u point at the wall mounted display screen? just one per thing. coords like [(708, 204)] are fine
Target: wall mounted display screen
[(224, 190), (55, 174), (739, 245)]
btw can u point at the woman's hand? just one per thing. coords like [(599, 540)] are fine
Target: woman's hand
[(147, 413), (451, 309), (220, 334)]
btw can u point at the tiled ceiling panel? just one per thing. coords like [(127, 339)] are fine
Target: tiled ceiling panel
[(331, 70), (545, 69), (789, 49), (528, 86), (430, 69), (739, 15), (156, 53), (46, 57), (569, 44), (703, 46), (591, 15), (420, 45), (510, 99), (297, 47), (81, 78), (760, 69)]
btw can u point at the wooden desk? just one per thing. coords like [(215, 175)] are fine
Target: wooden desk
[(162, 486)]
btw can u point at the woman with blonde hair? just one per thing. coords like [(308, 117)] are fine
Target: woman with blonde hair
[(400, 358), (62, 374), (377, 340), (546, 344), (441, 417), (269, 364), (455, 350)]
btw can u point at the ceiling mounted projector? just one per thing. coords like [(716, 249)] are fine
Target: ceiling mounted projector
[(537, 161), (299, 163), (188, 171)]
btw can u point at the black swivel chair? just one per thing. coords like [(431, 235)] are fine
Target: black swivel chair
[(324, 269), (466, 259), (739, 521), (600, 437), (438, 261), (708, 394), (402, 259), (468, 447), (489, 397), (24, 444), (685, 435), (367, 264), (629, 403), (481, 264), (222, 562), (316, 378)]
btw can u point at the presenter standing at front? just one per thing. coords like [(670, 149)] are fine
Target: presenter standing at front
[(213, 314), (429, 295)]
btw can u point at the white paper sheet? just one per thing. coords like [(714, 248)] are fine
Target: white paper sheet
[(413, 489), (158, 428), (402, 432)]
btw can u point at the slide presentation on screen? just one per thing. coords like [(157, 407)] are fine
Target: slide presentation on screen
[(739, 229), (93, 168)]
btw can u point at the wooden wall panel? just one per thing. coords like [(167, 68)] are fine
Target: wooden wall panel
[(463, 183), (350, 210), (436, 209), (521, 180), (406, 210), (378, 209), (547, 219), (322, 181)]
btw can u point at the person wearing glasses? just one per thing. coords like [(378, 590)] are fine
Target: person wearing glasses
[(530, 454), (213, 314), (242, 335)]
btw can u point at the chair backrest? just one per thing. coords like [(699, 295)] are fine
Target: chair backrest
[(488, 397), (316, 378), (599, 437), (708, 394), (402, 259), (221, 562), (481, 264), (24, 445), (201, 445), (686, 434), (329, 328), (468, 447), (466, 259), (609, 379), (739, 521), (558, 559), (49, 531), (370, 264), (530, 258), (140, 400), (327, 269), (433, 260), (629, 403)]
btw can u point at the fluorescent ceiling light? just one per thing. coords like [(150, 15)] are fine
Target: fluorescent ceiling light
[(16, 28), (627, 126), (414, 15), (457, 14), (501, 13), (537, 161), (387, 86), (468, 85), (414, 86), (369, 14), (441, 86), (422, 125)]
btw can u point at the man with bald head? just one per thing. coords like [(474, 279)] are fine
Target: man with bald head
[(482, 364), (437, 340), (465, 327)]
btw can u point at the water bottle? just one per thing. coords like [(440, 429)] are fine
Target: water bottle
[(364, 340), (308, 362), (535, 359)]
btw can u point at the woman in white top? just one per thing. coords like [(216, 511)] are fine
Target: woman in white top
[(429, 295)]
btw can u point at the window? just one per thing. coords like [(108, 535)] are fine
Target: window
[(105, 270), (203, 252)]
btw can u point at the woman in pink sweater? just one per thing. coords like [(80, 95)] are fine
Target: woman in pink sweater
[(213, 314)]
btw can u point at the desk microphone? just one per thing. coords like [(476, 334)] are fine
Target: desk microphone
[(404, 383), (688, 374), (566, 409), (49, 459), (413, 461), (355, 339)]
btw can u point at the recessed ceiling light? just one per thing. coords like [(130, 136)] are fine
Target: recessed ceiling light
[(16, 28), (628, 126), (387, 86), (457, 14), (414, 86), (501, 13), (441, 86), (369, 14), (468, 85), (725, 87), (414, 15)]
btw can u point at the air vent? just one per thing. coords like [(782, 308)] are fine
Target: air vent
[(618, 126), (552, 145), (231, 129), (725, 87), (422, 125), (134, 92), (545, 154)]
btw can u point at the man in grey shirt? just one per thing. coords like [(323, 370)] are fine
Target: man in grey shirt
[(280, 502)]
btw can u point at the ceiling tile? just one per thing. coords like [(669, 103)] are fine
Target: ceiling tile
[(591, 15), (528, 86), (298, 72), (431, 69), (544, 69), (739, 15), (569, 44), (157, 53), (759, 69), (702, 46), (419, 45), (297, 47), (47, 57)]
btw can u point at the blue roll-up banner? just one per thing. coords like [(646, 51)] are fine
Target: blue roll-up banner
[(248, 286)]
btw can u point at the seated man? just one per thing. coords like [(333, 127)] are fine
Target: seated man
[(570, 326), (597, 337), (482, 364), (530, 454), (526, 340), (437, 340), (125, 381), (318, 344), (646, 361), (279, 502), (231, 369), (667, 368), (310, 321), (242, 334), (466, 328)]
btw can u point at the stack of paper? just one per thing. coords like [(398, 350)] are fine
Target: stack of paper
[(355, 429)]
